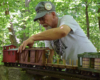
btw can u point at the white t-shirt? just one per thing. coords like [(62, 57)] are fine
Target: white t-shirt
[(76, 41)]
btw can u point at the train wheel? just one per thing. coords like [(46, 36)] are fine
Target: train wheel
[(70, 70), (48, 68), (5, 64), (30, 66), (54, 68), (77, 71), (59, 69), (8, 64), (42, 67), (15, 64)]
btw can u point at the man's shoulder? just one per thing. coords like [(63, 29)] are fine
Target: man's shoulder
[(65, 17)]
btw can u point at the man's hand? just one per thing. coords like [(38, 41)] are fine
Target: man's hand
[(29, 42)]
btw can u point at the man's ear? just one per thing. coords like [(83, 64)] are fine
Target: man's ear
[(54, 14)]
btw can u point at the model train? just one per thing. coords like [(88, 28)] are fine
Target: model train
[(43, 58)]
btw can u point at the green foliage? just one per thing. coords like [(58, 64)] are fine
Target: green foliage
[(22, 18)]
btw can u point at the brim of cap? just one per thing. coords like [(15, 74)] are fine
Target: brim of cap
[(39, 15)]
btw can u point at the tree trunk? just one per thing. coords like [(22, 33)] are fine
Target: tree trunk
[(99, 18), (27, 3), (12, 35), (87, 20), (24, 34), (11, 30)]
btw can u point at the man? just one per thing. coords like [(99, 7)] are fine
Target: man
[(63, 34)]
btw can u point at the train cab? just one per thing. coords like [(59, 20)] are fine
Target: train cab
[(9, 52)]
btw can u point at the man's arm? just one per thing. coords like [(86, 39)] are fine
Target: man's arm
[(51, 34)]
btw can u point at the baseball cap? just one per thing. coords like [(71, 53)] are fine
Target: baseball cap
[(42, 8)]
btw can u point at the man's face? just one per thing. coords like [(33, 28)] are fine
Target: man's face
[(46, 20)]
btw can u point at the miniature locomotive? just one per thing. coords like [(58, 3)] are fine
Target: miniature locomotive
[(87, 63)]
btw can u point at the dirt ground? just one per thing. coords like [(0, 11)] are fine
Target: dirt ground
[(12, 73)]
